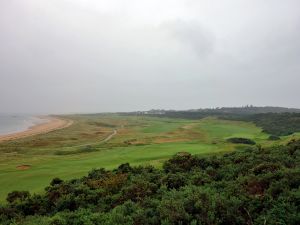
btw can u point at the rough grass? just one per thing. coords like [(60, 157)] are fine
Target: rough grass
[(73, 151)]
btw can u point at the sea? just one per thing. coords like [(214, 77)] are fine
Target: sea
[(12, 123)]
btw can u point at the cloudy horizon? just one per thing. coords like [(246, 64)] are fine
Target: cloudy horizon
[(71, 56)]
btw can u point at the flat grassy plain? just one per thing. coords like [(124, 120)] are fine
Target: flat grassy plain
[(31, 163)]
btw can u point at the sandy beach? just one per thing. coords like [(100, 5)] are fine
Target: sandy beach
[(53, 123)]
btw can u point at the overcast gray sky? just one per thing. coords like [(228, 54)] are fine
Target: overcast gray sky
[(61, 56)]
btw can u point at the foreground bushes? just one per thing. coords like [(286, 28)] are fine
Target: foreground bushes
[(252, 186)]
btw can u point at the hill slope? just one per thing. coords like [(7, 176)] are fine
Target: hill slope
[(252, 186)]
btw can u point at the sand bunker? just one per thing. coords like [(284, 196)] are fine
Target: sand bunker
[(23, 167)]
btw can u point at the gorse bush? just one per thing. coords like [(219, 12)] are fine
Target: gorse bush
[(237, 140), (278, 124), (250, 186)]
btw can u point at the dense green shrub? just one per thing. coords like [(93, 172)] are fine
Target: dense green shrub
[(273, 138), (277, 124), (251, 186), (237, 140)]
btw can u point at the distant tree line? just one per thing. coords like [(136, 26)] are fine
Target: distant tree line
[(245, 110), (278, 124), (251, 186)]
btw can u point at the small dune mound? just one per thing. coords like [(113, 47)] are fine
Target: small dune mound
[(23, 167)]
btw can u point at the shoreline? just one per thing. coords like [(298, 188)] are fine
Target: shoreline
[(52, 123)]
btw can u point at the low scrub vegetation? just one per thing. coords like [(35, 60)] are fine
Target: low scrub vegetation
[(251, 186), (276, 124), (273, 138), (241, 141)]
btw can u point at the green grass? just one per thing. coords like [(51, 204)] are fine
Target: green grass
[(224, 129), (140, 140)]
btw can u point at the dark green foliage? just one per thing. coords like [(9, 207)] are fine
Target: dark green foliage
[(273, 120), (273, 138), (277, 124), (227, 111), (181, 162), (17, 196), (241, 141), (56, 181), (251, 186)]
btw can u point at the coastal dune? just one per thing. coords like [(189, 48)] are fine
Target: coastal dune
[(52, 123)]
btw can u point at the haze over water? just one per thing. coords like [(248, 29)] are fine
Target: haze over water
[(12, 123)]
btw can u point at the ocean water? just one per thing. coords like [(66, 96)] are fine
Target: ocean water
[(12, 123)]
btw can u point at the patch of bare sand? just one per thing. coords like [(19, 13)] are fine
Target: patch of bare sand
[(23, 167), (53, 123)]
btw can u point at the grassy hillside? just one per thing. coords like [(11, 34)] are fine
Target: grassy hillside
[(273, 120), (256, 185), (71, 152)]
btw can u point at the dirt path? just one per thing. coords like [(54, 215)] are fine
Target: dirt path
[(110, 136), (53, 123), (94, 143)]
